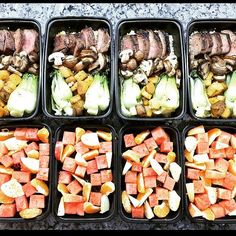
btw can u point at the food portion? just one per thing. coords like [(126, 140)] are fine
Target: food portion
[(210, 166), (149, 74), (85, 176), (24, 172), (150, 175), (212, 58), (19, 70), (80, 74)]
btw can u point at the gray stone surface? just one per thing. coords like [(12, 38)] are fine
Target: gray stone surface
[(115, 12)]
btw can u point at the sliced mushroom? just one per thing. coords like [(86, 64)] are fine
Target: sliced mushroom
[(24, 65), (33, 57), (158, 65), (23, 54), (93, 66), (132, 64), (139, 56), (79, 66), (70, 61), (7, 60), (204, 69), (94, 48), (230, 60), (57, 58), (218, 67), (140, 110), (13, 70), (87, 60), (88, 53), (168, 67), (2, 66), (17, 61), (123, 66), (219, 78), (178, 77), (126, 73), (102, 61), (147, 66), (218, 108), (33, 70), (125, 55), (140, 77)]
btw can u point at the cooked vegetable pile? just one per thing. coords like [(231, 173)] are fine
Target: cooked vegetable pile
[(24, 172), (85, 179), (80, 76), (149, 74), (150, 175), (210, 172), (19, 71), (212, 73)]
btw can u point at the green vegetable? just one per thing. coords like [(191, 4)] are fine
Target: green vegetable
[(130, 97), (230, 94), (199, 97), (61, 95), (23, 99), (97, 97)]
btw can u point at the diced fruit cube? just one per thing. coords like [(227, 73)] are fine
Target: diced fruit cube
[(166, 147), (101, 162), (211, 174), (150, 181), (137, 212), (169, 183), (161, 158), (141, 150), (202, 201), (95, 198), (21, 176), (44, 149), (7, 161), (160, 135), (162, 178), (16, 157), (31, 134), (95, 179), (193, 173), (210, 165), (148, 171), (92, 167), (90, 155), (21, 203), (74, 187), (153, 200), (105, 147), (229, 152), (202, 148), (65, 177), (150, 144), (224, 194), (43, 161), (3, 149), (29, 189), (131, 177), (202, 137), (213, 153), (131, 188), (75, 208), (20, 133), (80, 171), (229, 181), (37, 201), (221, 165), (106, 176), (224, 137), (68, 137), (7, 210), (136, 167), (162, 194), (198, 186), (43, 174), (218, 210), (69, 164), (129, 140), (228, 205), (81, 148), (31, 146)]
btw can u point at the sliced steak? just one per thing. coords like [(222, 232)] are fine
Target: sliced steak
[(89, 37), (9, 46), (60, 42), (72, 42), (143, 42), (2, 41), (18, 40), (165, 43), (103, 40), (217, 44), (127, 43), (195, 44), (30, 41), (226, 43), (155, 50), (79, 45), (232, 37), (207, 42), (135, 42)]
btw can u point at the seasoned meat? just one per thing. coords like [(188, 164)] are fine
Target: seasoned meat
[(195, 45), (88, 37), (217, 44), (18, 40), (30, 41), (127, 43), (165, 43), (103, 41), (135, 42), (143, 42), (207, 42), (155, 50), (60, 43), (79, 46), (225, 43), (72, 43), (218, 108), (2, 41), (9, 46), (232, 37)]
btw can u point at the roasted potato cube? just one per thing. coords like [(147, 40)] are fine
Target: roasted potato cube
[(8, 89), (150, 88), (208, 79), (66, 72), (218, 108), (74, 87), (75, 99), (140, 110), (16, 79), (78, 107), (216, 88), (89, 80), (2, 112), (1, 84), (148, 111), (146, 94), (82, 87), (4, 74), (81, 75), (70, 79), (153, 79), (145, 101), (226, 114)]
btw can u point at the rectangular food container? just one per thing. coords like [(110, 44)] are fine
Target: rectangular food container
[(57, 166), (172, 217), (209, 25), (171, 26), (54, 26), (14, 24), (46, 211), (226, 219)]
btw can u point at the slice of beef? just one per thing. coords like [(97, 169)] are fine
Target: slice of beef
[(143, 42), (18, 40), (207, 42), (79, 45), (30, 41), (155, 50), (195, 44), (89, 37), (103, 40), (165, 43), (225, 43), (60, 43), (135, 42), (127, 43), (9, 46), (72, 43), (217, 44), (2, 41), (232, 37)]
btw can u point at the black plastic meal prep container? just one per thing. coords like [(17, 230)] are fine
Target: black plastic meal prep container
[(14, 24), (227, 219), (171, 26), (73, 24), (11, 126), (209, 25), (97, 217), (172, 217)]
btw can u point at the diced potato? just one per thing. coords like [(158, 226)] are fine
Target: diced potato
[(70, 79), (153, 79), (66, 72), (216, 88), (148, 111), (208, 79), (75, 99), (81, 75), (2, 104), (8, 89), (74, 87), (16, 79), (89, 80), (82, 87), (150, 88), (4, 74), (226, 114), (145, 101), (146, 94)]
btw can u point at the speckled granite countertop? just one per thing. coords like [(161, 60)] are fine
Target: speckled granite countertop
[(115, 12)]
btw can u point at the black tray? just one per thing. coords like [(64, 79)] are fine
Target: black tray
[(204, 24), (48, 199), (172, 217), (14, 24), (226, 219), (57, 166), (171, 26), (55, 25)]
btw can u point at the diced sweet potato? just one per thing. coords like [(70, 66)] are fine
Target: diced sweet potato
[(129, 140), (21, 203), (141, 150), (16, 157), (161, 158), (221, 165), (210, 165), (160, 135), (74, 187), (95, 198), (137, 212), (31, 134), (68, 137), (169, 183), (224, 137), (150, 144), (37, 201), (65, 177), (7, 210), (69, 164), (136, 167), (80, 171), (92, 167), (166, 147), (228, 205), (31, 146), (202, 137), (224, 194), (20, 133), (105, 147), (198, 186), (162, 178), (148, 171), (150, 181), (29, 189), (218, 210), (7, 161), (95, 179), (202, 148), (193, 173), (229, 181), (214, 153), (131, 188), (153, 200), (44, 149), (101, 162), (229, 152), (212, 174), (75, 208), (202, 201), (43, 174), (81, 148), (43, 161), (131, 177), (21, 176), (106, 176), (162, 194)]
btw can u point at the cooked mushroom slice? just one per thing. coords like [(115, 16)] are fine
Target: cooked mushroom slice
[(218, 67), (33, 70), (79, 66), (87, 60), (102, 61), (123, 66), (147, 66), (178, 77), (94, 48), (17, 61), (132, 64), (57, 58), (170, 70), (13, 70), (230, 60), (33, 57), (7, 60), (139, 56), (126, 73), (88, 53), (218, 108), (125, 55), (140, 110), (219, 78), (70, 61), (140, 77), (24, 65), (229, 67), (2, 66), (158, 65), (204, 69)]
